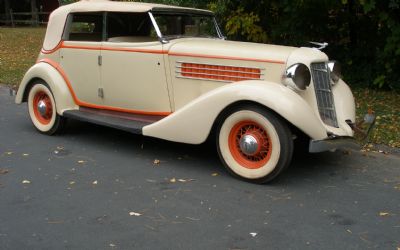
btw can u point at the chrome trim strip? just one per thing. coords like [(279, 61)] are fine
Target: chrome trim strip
[(317, 146), (325, 90), (322, 70), (203, 79), (223, 65), (158, 31), (221, 36)]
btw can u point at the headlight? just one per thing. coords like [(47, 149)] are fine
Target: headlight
[(297, 77), (335, 71)]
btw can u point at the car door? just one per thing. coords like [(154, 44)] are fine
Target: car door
[(133, 69), (79, 55)]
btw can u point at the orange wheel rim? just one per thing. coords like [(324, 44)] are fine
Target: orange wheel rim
[(260, 150), (42, 107)]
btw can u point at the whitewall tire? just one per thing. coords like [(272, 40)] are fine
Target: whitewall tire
[(254, 143), (42, 109)]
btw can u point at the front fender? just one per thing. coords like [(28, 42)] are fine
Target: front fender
[(193, 122), (52, 77)]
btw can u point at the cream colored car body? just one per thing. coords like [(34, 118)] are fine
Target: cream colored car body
[(155, 86)]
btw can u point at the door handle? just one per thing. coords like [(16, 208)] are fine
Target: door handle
[(100, 60)]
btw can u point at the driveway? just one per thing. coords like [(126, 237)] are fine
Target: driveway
[(99, 188)]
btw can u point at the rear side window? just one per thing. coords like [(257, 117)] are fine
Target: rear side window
[(84, 27)]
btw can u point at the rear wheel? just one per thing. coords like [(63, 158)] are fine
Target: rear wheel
[(42, 109), (254, 143)]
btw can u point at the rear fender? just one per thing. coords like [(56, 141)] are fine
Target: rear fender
[(43, 71), (193, 122)]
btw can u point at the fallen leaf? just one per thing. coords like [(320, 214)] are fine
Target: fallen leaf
[(156, 162), (9, 153), (26, 182), (214, 174), (173, 180), (25, 154), (71, 182), (384, 214), (112, 245), (4, 171), (253, 234), (134, 214), (185, 180), (349, 231), (94, 183), (81, 161)]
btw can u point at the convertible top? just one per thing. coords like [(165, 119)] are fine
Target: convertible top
[(57, 18)]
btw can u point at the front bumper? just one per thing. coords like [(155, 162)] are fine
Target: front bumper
[(363, 129), (317, 146)]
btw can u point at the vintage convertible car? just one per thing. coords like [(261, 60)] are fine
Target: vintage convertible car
[(168, 72)]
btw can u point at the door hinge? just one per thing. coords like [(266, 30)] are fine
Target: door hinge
[(100, 60), (100, 92)]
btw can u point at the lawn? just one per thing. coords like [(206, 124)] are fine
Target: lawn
[(19, 48)]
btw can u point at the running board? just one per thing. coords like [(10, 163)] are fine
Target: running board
[(132, 123)]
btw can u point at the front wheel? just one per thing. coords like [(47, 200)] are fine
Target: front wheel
[(42, 109), (253, 143)]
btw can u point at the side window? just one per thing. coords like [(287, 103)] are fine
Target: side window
[(186, 25), (130, 27), (84, 27)]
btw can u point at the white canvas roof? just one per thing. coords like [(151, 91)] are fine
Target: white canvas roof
[(57, 18)]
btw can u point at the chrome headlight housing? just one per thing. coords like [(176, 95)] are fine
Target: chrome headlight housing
[(335, 71), (297, 77)]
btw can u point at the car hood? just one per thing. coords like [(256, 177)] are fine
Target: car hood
[(216, 48)]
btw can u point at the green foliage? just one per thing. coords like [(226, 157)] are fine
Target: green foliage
[(63, 2), (363, 34), (243, 26)]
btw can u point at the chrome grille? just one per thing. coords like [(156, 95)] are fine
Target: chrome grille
[(323, 92)]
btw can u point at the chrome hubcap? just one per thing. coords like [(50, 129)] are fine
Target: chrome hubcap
[(248, 144), (42, 107)]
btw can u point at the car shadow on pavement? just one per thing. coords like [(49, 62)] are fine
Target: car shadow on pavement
[(304, 166)]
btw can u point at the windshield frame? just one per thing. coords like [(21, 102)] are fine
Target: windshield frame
[(166, 39)]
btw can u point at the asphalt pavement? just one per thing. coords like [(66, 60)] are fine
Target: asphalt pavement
[(99, 188)]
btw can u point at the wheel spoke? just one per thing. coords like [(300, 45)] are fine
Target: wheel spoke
[(254, 157)]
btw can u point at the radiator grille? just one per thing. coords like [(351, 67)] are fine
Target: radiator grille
[(323, 92)]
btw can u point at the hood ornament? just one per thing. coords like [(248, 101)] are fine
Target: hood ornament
[(321, 46)]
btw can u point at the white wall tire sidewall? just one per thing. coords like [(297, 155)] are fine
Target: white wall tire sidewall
[(40, 126), (229, 123)]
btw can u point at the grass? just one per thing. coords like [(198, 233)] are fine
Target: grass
[(386, 106), (19, 48)]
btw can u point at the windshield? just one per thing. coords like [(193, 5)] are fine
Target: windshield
[(186, 25)]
